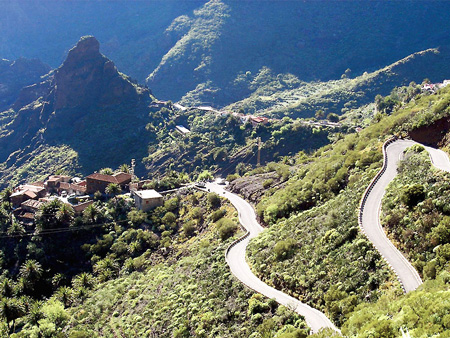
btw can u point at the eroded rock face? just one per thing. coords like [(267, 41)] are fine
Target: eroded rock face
[(87, 78), (86, 95)]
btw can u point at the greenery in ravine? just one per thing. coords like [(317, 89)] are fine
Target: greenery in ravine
[(220, 143)]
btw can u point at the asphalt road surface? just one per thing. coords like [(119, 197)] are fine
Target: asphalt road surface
[(236, 260), (406, 273)]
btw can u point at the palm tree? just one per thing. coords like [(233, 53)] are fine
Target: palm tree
[(125, 168), (83, 280), (65, 295), (10, 310), (46, 216), (113, 189), (106, 171), (31, 271), (35, 313), (15, 229), (7, 287), (6, 196), (106, 269), (65, 214), (91, 214)]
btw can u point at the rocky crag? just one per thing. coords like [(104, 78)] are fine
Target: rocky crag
[(82, 105)]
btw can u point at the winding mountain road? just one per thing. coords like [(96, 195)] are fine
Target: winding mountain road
[(369, 221), (371, 206), (235, 257)]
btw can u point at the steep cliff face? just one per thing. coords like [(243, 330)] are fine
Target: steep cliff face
[(88, 78), (85, 104)]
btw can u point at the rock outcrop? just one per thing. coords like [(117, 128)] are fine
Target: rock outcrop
[(88, 78), (86, 104)]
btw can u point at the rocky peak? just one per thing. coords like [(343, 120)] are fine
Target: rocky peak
[(87, 47), (88, 79)]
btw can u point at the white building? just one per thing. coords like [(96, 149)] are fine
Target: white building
[(147, 199)]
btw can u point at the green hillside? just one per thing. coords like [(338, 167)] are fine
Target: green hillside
[(164, 272), (314, 241)]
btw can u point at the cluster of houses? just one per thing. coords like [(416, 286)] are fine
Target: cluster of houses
[(26, 199), (254, 120), (433, 87)]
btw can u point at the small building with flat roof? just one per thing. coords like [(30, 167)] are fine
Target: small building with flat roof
[(146, 200), (182, 129)]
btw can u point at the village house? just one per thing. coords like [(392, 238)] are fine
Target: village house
[(53, 182), (25, 213), (98, 182), (26, 192), (70, 189), (31, 205), (255, 120), (146, 200), (79, 208)]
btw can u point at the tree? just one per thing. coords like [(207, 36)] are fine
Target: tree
[(6, 197), (320, 114), (11, 309), (106, 269), (125, 168), (65, 214), (113, 189), (332, 117), (31, 272), (213, 200), (106, 171), (169, 219), (205, 176), (413, 194), (46, 217), (137, 217), (226, 228), (91, 214), (65, 295), (84, 280)]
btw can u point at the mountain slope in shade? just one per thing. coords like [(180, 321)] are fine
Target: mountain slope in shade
[(278, 95), (86, 106), (227, 41), (205, 48), (17, 74)]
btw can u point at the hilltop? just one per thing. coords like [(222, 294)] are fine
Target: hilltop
[(73, 117), (213, 51)]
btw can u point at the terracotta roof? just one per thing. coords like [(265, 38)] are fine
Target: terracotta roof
[(122, 177), (29, 187), (259, 119), (55, 178), (32, 204), (68, 186), (80, 207), (28, 193), (118, 178)]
